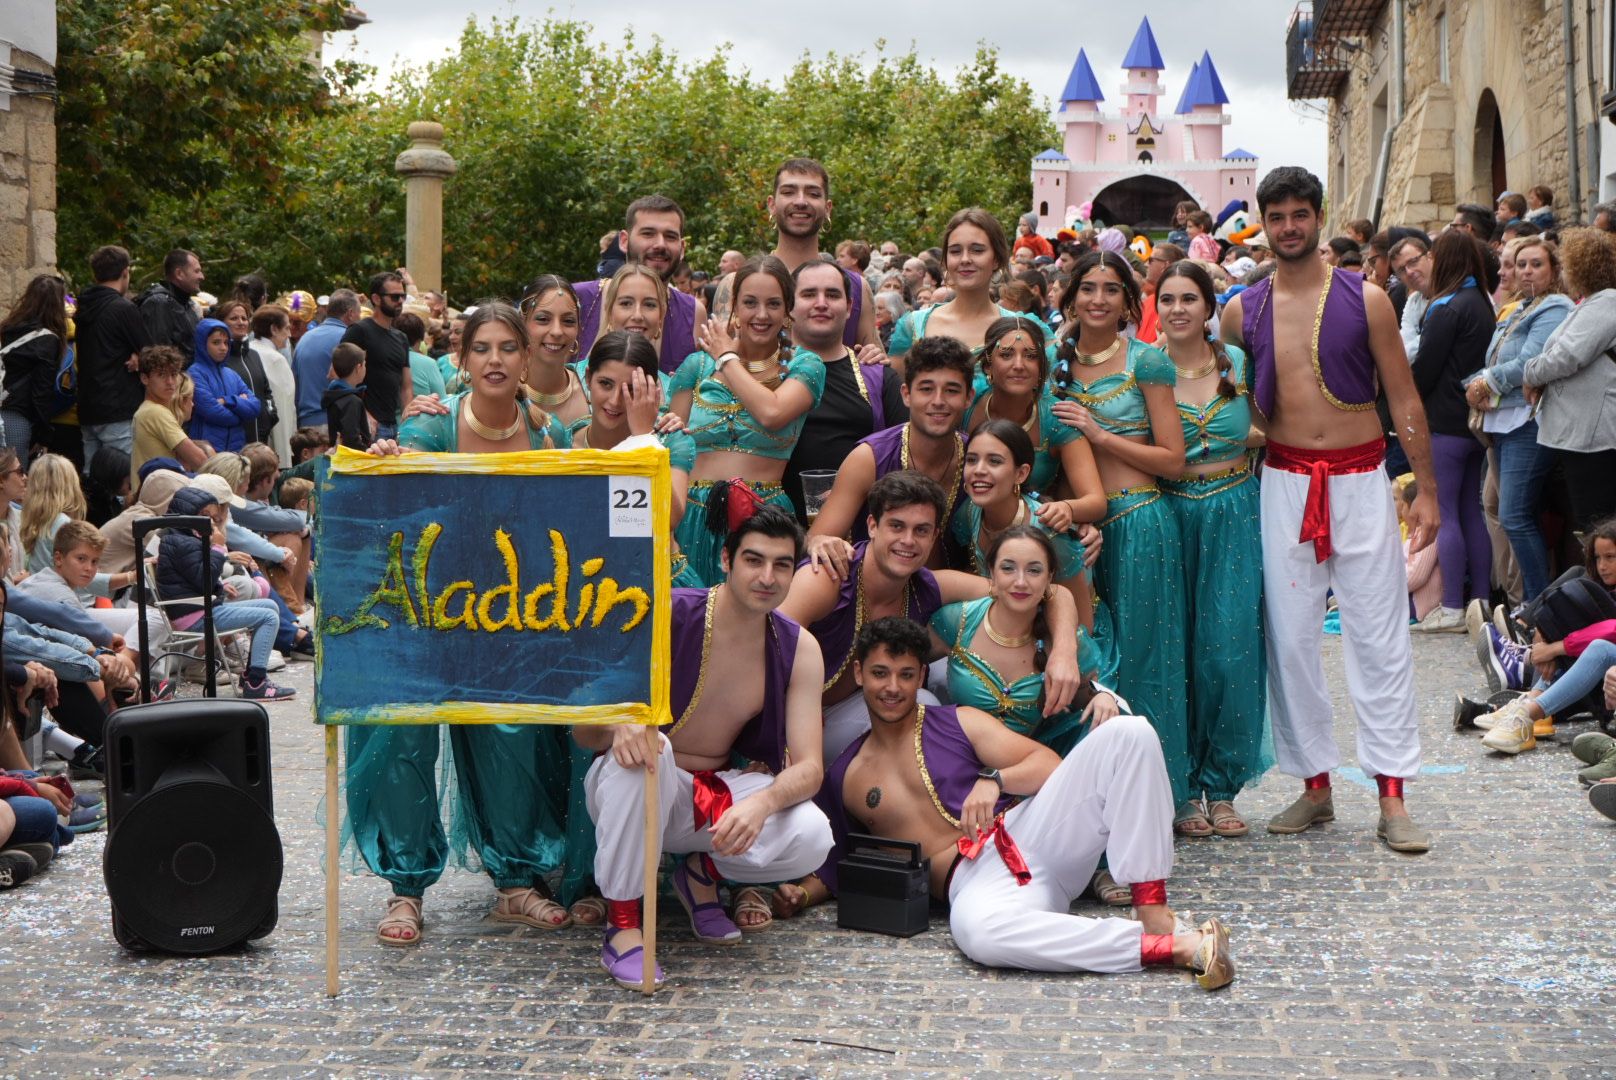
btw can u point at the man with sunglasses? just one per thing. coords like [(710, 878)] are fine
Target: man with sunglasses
[(387, 353)]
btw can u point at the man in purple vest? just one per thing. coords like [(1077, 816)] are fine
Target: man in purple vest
[(800, 208), (1318, 338), (1013, 832), (746, 680), (654, 236), (887, 576), (937, 391), (859, 399)]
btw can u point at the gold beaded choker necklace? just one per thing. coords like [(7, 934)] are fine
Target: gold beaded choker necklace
[(1198, 373), (1086, 360), (483, 431), (756, 368), (550, 401), (1003, 642)]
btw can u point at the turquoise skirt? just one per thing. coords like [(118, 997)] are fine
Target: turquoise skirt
[(1141, 580), (1219, 531), (701, 547)]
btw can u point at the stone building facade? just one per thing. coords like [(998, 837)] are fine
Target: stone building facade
[(1484, 103), (27, 145)]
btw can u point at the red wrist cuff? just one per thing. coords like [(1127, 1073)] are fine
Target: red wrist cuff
[(1156, 950), (1391, 787), (1148, 892), (623, 914), (1313, 783)]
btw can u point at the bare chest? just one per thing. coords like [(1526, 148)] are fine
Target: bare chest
[(887, 796)]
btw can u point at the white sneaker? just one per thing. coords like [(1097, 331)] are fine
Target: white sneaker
[(276, 661), (1441, 620), (1510, 730)]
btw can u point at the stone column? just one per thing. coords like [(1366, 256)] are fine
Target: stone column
[(424, 167)]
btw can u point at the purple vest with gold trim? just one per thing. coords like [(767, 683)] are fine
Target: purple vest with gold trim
[(1346, 366)]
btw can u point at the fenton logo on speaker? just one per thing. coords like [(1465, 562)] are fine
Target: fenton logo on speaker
[(195, 931)]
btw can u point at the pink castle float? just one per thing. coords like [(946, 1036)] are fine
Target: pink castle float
[(1134, 165)]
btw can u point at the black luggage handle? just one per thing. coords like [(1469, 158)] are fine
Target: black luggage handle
[(862, 842), (202, 528)]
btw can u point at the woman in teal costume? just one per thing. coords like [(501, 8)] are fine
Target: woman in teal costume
[(635, 299), (975, 250), (997, 461), (512, 779), (996, 645), (1015, 366), (1215, 503), (743, 401), (1119, 394)]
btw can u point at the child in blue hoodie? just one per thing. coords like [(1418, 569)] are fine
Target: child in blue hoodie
[(223, 401)]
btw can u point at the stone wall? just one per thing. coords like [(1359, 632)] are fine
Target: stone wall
[(27, 186), (1504, 56)]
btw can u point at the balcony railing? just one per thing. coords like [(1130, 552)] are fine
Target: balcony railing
[(1313, 68), (1346, 18)]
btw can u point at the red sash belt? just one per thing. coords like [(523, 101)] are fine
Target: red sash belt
[(1008, 851), (1319, 466), (711, 796)]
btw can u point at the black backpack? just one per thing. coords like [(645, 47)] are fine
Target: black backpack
[(1573, 602)]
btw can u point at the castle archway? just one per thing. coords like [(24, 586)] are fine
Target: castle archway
[(1145, 202)]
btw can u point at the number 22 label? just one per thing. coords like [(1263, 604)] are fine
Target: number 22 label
[(629, 505)]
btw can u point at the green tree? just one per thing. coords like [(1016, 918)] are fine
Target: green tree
[(555, 133), (173, 98)]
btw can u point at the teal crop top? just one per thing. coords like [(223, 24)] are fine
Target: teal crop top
[(967, 529), (681, 448), (441, 433), (719, 422), (912, 327), (1052, 434), (974, 682), (1116, 400), (1217, 431)]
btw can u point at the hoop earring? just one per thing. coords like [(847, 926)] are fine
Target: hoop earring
[(575, 348), (1018, 489)]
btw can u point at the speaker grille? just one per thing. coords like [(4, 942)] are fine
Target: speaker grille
[(194, 866)]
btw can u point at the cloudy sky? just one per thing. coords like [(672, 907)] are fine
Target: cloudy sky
[(1249, 51)]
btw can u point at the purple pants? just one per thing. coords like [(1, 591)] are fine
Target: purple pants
[(1462, 544)]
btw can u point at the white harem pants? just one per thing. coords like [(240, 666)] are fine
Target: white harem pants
[(1110, 795), (1368, 573), (793, 842)]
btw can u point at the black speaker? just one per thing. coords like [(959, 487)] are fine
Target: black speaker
[(193, 858)]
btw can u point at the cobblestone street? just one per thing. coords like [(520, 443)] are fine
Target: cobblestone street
[(1493, 956)]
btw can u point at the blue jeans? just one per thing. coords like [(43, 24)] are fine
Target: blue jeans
[(386, 431), (36, 821), (18, 434), (1523, 469), (1579, 680), (120, 434), (259, 616)]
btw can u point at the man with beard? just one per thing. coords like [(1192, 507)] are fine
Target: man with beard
[(948, 778), (745, 679), (654, 236), (165, 306), (388, 388), (800, 208), (862, 395), (1318, 338), (936, 390), (887, 575)]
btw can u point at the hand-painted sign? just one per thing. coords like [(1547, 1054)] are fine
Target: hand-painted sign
[(530, 587)]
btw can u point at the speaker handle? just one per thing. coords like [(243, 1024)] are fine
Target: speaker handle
[(202, 528)]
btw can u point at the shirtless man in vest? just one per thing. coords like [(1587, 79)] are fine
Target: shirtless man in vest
[(744, 679), (800, 208), (950, 779), (937, 391), (1318, 338), (653, 235), (887, 576)]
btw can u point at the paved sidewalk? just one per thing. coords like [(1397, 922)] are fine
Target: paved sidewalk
[(1493, 956)]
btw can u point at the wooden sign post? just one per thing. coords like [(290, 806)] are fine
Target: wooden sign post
[(523, 588)]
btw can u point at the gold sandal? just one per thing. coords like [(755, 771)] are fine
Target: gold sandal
[(403, 913), (753, 900), (1191, 821), (594, 907), (1109, 892), (1226, 820), (1212, 966), (518, 906)]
